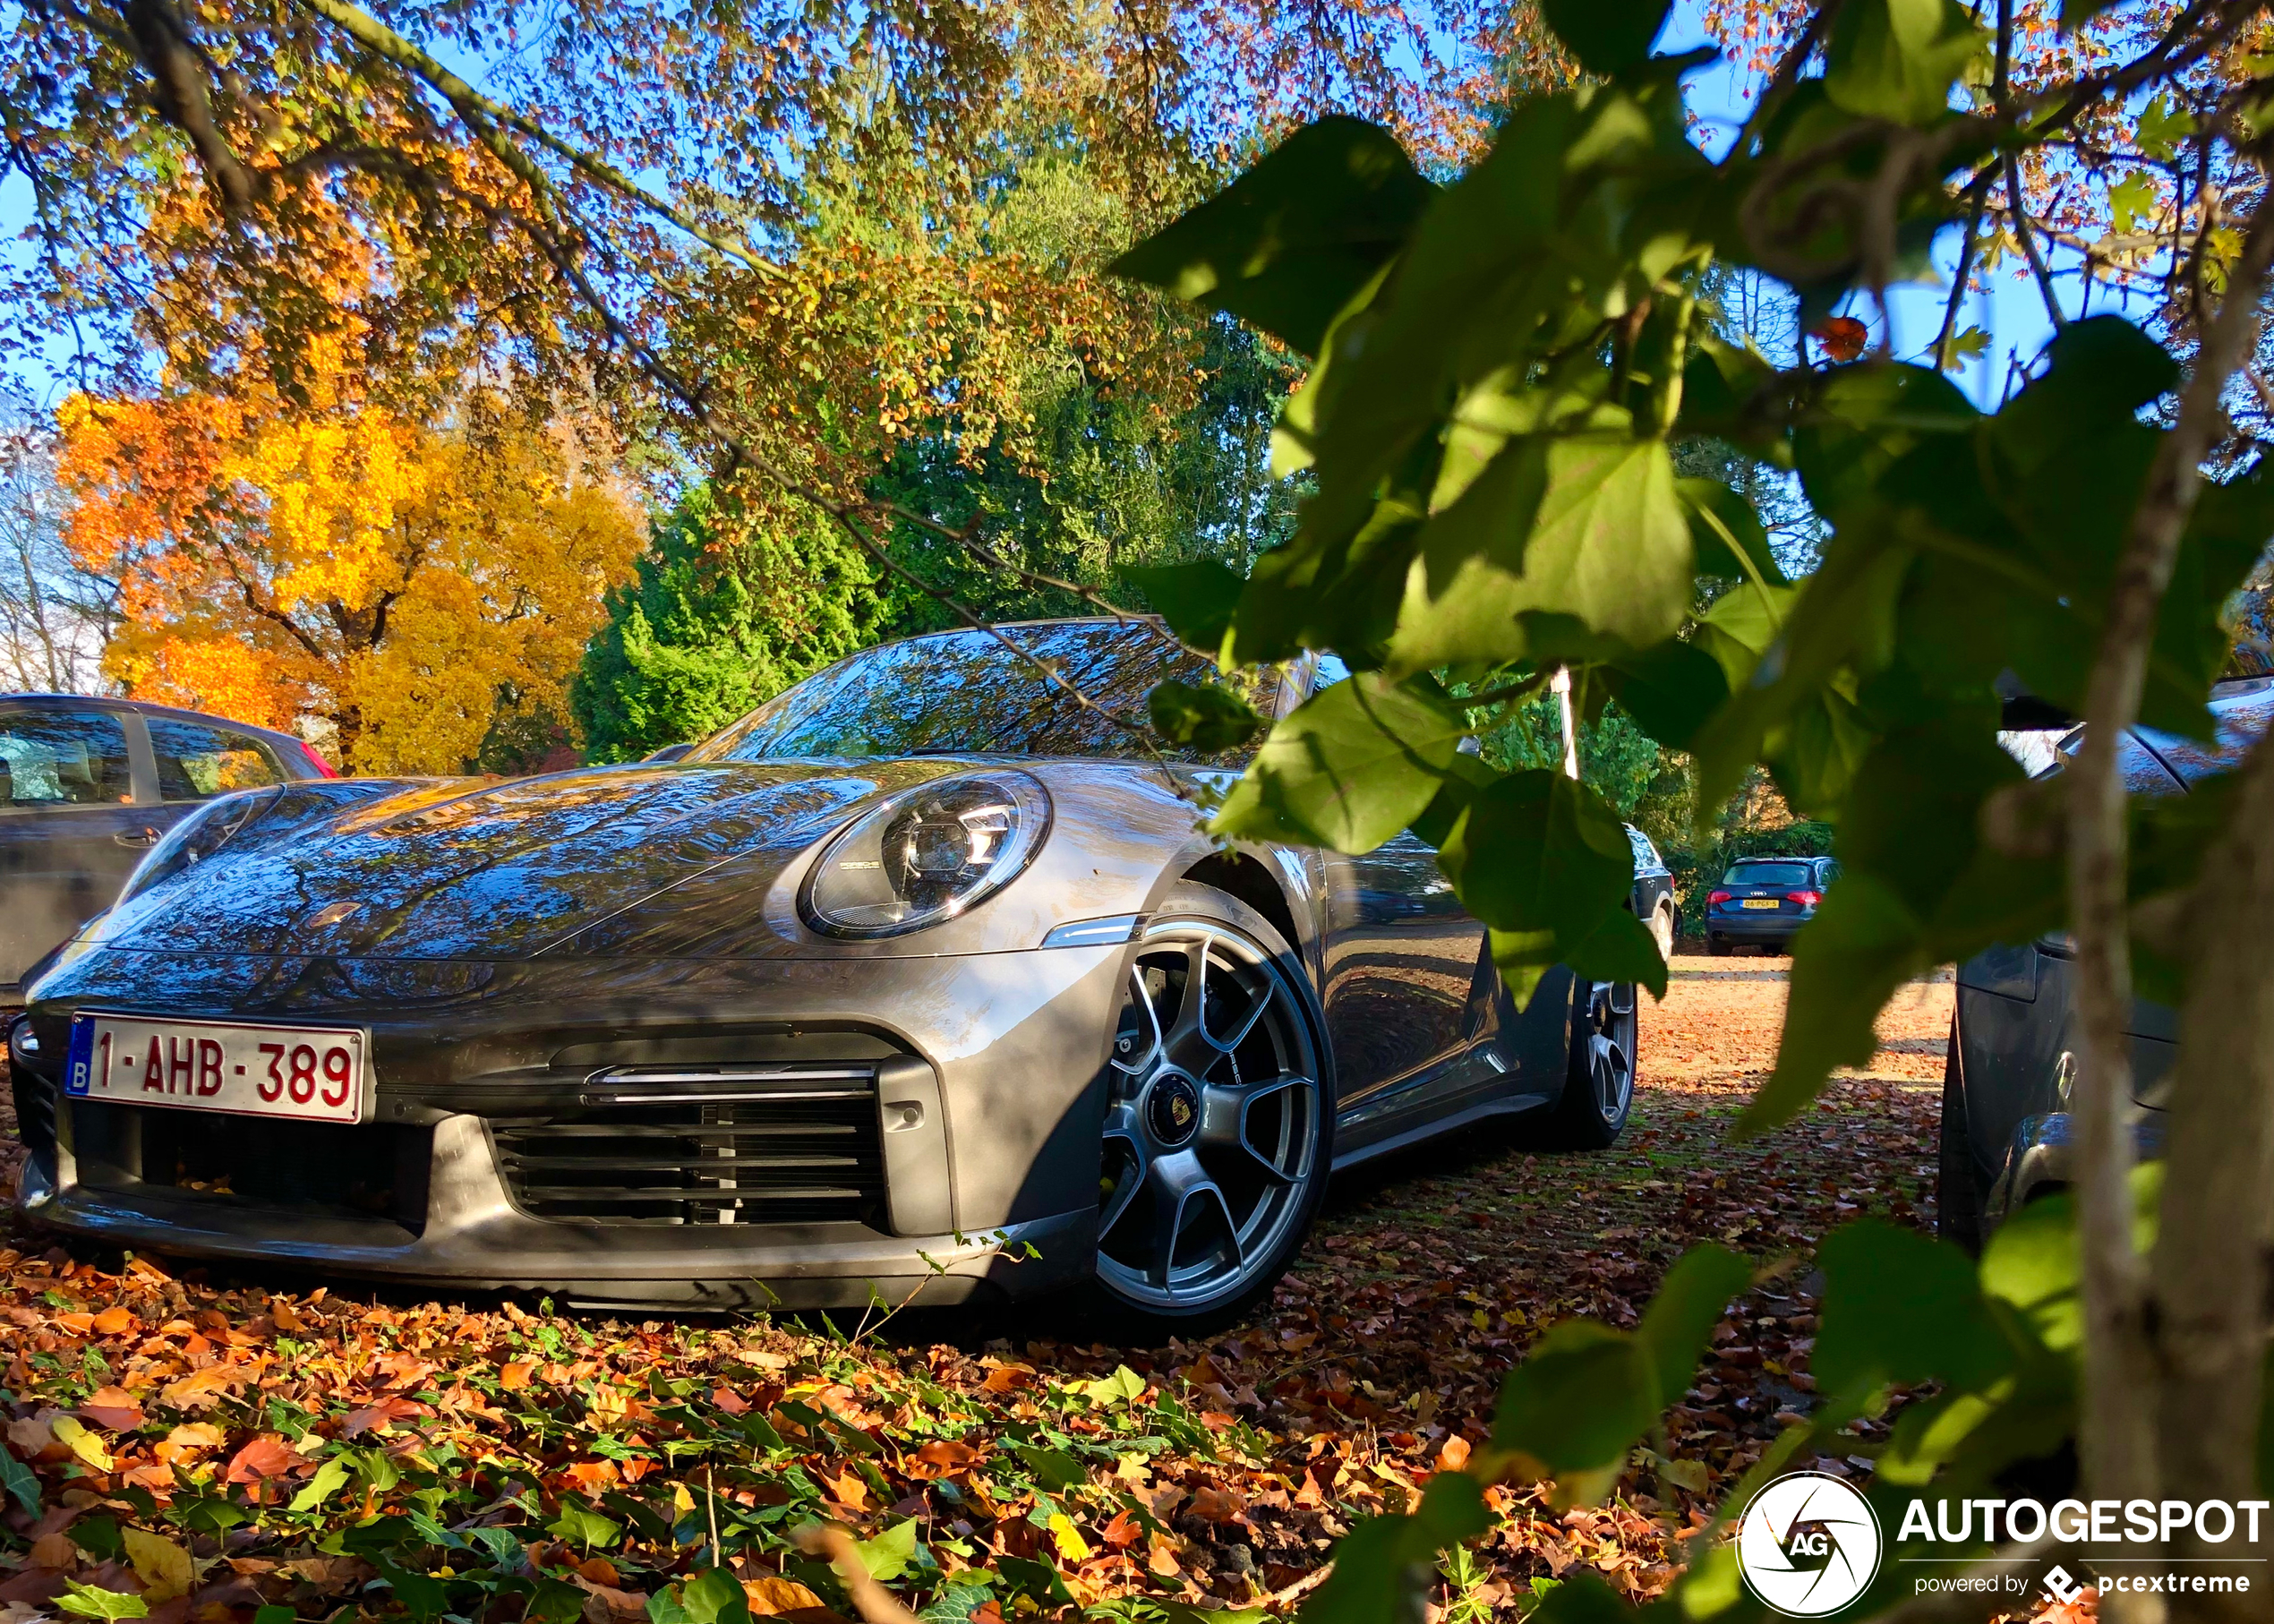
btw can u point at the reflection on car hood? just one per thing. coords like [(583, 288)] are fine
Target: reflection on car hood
[(465, 870)]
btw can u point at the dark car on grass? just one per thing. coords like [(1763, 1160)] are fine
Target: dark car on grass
[(2011, 1061), (89, 785), (921, 979), (1764, 901)]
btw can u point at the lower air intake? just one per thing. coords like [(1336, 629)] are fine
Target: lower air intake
[(703, 1145)]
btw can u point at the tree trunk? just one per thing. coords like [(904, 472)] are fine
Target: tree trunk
[(2208, 1304), (2117, 1420)]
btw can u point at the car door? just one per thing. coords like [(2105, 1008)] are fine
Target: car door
[(1401, 960), (71, 829)]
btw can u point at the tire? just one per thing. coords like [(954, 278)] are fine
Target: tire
[(1192, 1118), (1717, 946), (1958, 1184), (1661, 928), (1599, 1081)]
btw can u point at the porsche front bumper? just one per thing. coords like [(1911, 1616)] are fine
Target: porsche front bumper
[(978, 1172)]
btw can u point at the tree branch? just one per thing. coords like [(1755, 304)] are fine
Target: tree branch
[(488, 119), (2116, 1432)]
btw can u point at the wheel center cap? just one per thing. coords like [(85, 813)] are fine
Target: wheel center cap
[(1173, 1110)]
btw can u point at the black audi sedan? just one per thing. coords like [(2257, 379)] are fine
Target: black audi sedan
[(2011, 1062), (1765, 899), (89, 785)]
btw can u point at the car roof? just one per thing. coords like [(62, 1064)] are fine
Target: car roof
[(104, 702)]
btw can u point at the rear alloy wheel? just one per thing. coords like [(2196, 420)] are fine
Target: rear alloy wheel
[(1599, 1090), (1217, 1122)]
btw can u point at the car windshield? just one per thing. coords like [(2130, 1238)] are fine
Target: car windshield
[(973, 692), (1767, 874)]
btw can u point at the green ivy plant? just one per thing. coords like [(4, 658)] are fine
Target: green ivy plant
[(1500, 367)]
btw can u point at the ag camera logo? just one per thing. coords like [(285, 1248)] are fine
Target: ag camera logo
[(1808, 1544)]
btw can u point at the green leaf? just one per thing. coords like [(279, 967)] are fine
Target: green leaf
[(1901, 1308), (1055, 1470), (2131, 200), (421, 1596), (1621, 948), (712, 1596), (1577, 1405), (1723, 526), (1539, 858), (2164, 124), (887, 1555), (581, 1525), (1197, 600), (1207, 717), (329, 1477), (1125, 1386), (1670, 688), (1681, 1318), (2032, 1262), (1349, 768), (20, 1484), (1030, 1577), (1897, 59), (1590, 527), (1608, 36), (274, 1613), (554, 1601), (1288, 244), (92, 1602), (98, 1536), (1862, 945), (1384, 1563), (1583, 1598)]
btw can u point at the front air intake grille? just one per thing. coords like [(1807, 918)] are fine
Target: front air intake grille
[(701, 1145)]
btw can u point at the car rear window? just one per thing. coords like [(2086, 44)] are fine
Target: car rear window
[(197, 761), (1768, 874)]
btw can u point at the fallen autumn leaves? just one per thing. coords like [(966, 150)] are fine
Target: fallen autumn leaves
[(213, 1452)]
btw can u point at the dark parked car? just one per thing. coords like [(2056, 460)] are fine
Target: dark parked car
[(1653, 900), (87, 786), (1765, 899), (2011, 1063), (922, 963)]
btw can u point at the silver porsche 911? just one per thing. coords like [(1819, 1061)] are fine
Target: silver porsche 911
[(921, 979)]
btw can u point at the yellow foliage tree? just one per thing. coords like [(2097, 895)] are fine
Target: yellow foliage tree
[(421, 590)]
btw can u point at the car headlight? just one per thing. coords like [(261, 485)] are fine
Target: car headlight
[(197, 837), (926, 854)]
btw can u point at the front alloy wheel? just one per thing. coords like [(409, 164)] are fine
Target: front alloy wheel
[(1213, 1124)]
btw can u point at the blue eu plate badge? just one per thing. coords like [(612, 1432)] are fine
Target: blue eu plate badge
[(82, 1055)]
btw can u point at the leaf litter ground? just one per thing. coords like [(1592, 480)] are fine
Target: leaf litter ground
[(190, 1445)]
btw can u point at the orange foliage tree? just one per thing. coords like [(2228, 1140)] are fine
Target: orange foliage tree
[(424, 592)]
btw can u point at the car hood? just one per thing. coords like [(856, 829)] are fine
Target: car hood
[(484, 870)]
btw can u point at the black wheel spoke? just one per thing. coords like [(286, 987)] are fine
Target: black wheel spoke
[(1123, 1139), (1227, 1115)]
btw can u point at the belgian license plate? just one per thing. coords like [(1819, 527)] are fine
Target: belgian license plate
[(312, 1073), (1760, 901)]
